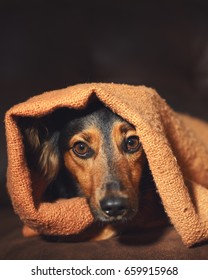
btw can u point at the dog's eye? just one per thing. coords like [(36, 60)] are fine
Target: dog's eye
[(82, 150), (132, 144)]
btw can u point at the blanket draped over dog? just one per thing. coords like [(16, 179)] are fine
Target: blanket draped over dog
[(176, 147)]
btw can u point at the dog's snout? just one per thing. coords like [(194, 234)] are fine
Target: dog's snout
[(113, 186), (114, 206)]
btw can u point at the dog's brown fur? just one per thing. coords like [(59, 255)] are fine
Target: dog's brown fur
[(93, 173), (112, 172)]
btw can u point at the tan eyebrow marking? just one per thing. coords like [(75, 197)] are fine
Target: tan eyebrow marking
[(125, 127)]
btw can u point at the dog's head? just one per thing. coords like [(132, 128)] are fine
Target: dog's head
[(103, 155)]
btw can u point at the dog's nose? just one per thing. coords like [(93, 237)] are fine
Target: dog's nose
[(114, 206)]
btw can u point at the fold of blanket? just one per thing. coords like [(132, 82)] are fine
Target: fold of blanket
[(176, 147)]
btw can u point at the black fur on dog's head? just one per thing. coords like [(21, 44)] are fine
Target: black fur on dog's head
[(92, 153)]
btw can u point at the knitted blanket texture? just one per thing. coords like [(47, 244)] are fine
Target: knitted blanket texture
[(176, 147)]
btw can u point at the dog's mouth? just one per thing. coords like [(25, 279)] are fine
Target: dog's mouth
[(114, 209)]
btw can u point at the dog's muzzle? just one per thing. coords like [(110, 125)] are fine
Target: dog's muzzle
[(114, 204)]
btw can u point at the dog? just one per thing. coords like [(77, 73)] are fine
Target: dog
[(95, 152)]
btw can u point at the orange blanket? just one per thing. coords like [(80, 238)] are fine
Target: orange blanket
[(176, 147)]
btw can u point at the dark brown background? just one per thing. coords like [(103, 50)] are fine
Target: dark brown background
[(47, 45)]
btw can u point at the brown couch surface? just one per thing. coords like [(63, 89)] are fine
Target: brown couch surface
[(150, 245)]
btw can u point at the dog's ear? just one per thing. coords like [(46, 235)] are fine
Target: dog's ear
[(42, 150), (32, 138), (49, 161)]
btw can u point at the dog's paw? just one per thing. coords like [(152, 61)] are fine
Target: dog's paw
[(106, 233), (29, 232)]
